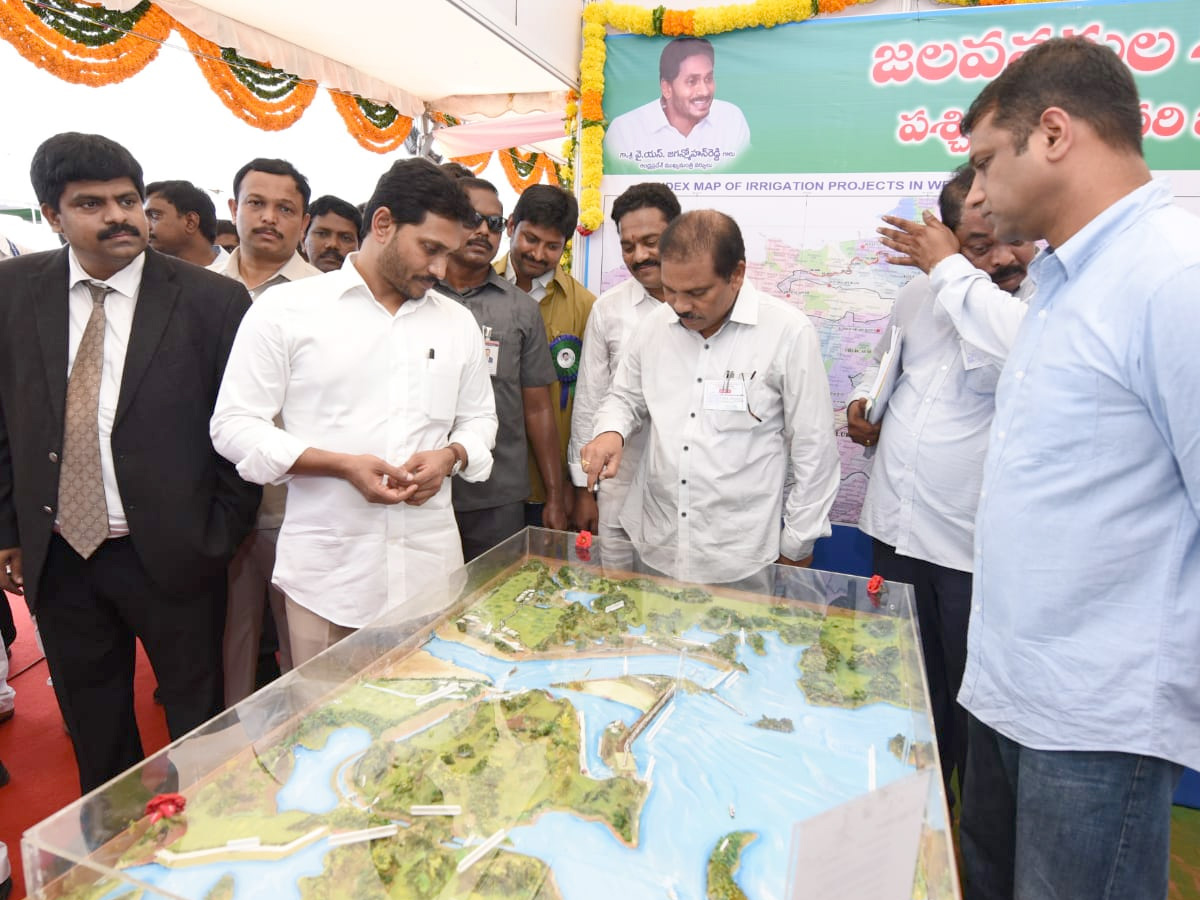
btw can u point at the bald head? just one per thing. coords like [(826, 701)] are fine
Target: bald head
[(705, 234)]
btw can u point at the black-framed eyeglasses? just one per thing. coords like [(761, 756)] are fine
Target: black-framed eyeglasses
[(495, 224)]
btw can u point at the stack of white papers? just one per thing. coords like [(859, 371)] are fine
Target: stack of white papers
[(885, 380)]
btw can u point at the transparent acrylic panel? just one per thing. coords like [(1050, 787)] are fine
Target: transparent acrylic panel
[(557, 723)]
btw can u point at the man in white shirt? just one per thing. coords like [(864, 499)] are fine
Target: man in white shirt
[(269, 200), (685, 127), (731, 385), (384, 391), (642, 213), (924, 489), (183, 223)]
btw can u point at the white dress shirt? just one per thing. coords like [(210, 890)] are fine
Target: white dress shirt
[(349, 377), (538, 287), (706, 503), (219, 261), (613, 320), (118, 321), (928, 468), (646, 138)]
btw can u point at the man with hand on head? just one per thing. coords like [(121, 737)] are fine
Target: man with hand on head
[(522, 373), (332, 235), (384, 395), (1082, 684), (731, 385), (540, 226), (642, 213), (924, 487)]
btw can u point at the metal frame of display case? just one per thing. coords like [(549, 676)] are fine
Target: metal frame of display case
[(86, 849)]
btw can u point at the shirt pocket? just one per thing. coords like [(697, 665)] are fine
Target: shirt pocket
[(439, 398)]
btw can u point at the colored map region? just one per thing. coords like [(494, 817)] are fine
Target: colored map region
[(569, 734)]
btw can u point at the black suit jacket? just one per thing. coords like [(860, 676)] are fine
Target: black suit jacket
[(187, 508)]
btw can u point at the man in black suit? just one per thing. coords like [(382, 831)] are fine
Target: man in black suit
[(117, 518)]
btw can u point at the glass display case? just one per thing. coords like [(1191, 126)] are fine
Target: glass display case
[(559, 722)]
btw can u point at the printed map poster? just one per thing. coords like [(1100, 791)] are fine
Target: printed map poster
[(807, 133)]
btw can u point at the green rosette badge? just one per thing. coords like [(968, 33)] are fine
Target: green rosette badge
[(566, 349)]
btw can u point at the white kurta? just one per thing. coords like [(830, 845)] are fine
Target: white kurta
[(350, 377), (613, 320)]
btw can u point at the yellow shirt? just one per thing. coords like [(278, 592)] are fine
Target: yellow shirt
[(565, 310)]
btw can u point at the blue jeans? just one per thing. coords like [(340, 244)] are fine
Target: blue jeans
[(1063, 825)]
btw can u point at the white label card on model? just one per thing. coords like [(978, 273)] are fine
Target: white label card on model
[(727, 394)]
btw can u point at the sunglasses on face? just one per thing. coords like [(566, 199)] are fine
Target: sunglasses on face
[(495, 224)]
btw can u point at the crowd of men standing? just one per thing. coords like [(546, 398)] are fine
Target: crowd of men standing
[(326, 419)]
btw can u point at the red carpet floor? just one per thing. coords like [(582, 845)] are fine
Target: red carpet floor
[(35, 748)]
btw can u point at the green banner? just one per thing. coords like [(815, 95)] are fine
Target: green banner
[(880, 93)]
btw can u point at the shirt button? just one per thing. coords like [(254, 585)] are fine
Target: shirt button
[(683, 481), (53, 457), (1019, 375), (698, 380), (1041, 314), (693, 415), (706, 346), (944, 368), (683, 514), (928, 399), (1000, 434), (685, 448), (48, 510)]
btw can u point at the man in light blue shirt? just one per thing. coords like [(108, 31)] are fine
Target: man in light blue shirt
[(1083, 666)]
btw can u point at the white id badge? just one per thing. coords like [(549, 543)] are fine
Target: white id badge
[(727, 394), (491, 353)]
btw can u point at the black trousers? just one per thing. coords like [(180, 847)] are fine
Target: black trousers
[(943, 601), (483, 529), (88, 613)]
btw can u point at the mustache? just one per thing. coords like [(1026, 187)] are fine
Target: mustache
[(647, 264), (1007, 272), (332, 254), (114, 230), (267, 231)]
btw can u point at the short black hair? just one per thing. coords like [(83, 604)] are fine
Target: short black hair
[(224, 226), (72, 156), (482, 183), (336, 205), (647, 195), (187, 198), (273, 167), (954, 194), (705, 231), (547, 206), (1086, 79), (456, 170), (677, 51), (412, 189)]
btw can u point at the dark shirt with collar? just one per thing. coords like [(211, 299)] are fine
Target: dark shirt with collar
[(524, 361)]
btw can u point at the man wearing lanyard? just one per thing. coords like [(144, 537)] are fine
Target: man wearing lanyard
[(518, 361), (731, 384)]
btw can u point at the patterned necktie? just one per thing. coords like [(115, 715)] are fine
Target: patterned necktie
[(82, 512)]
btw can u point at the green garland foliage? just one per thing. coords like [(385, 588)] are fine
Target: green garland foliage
[(264, 82), (381, 115), (92, 26)]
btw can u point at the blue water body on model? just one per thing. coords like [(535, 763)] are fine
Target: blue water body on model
[(310, 787)]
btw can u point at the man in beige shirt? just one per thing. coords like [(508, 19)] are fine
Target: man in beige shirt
[(268, 206)]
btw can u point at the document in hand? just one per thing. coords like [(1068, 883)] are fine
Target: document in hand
[(885, 381)]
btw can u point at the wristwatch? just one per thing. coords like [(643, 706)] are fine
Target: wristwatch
[(460, 459)]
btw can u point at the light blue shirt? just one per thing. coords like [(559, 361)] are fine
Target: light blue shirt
[(1085, 621)]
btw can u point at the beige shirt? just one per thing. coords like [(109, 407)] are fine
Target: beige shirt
[(274, 501)]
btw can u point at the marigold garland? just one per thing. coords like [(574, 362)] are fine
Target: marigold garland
[(598, 17), (238, 85), (377, 127), (523, 171), (102, 54), (476, 162)]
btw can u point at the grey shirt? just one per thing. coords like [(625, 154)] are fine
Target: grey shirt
[(523, 361)]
